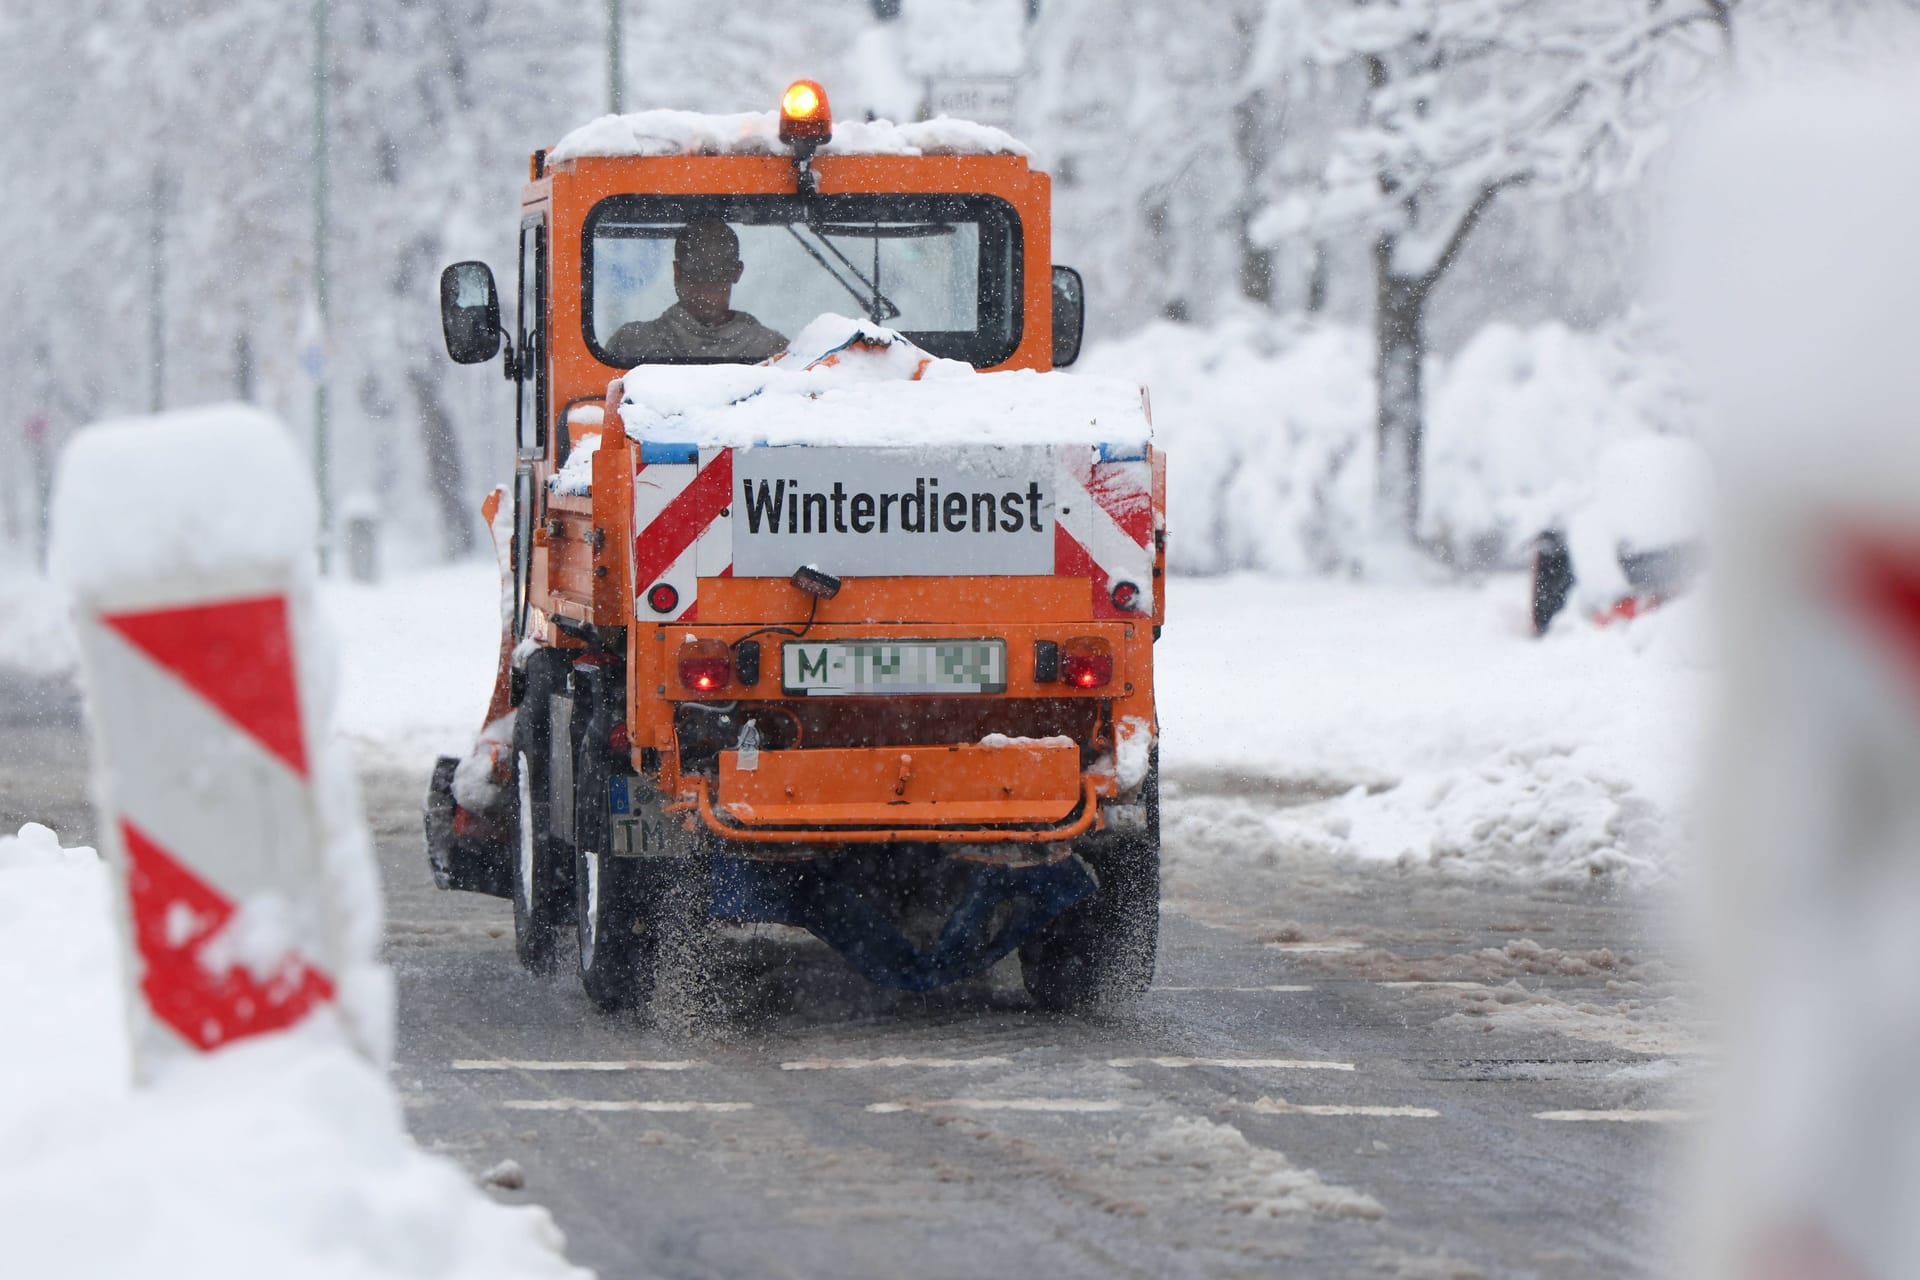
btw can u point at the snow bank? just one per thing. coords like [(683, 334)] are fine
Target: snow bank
[(418, 653), (1269, 433), (282, 1156), (1450, 738), (847, 382), (35, 636), (1551, 811), (62, 1019), (757, 133)]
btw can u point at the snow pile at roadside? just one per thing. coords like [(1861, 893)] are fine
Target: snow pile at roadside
[(35, 636), (282, 1157), (62, 1031), (848, 382), (1269, 431), (1549, 810), (1447, 737), (418, 654)]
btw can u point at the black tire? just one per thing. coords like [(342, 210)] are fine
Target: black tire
[(542, 868), (1552, 579), (1101, 953), (438, 812), (606, 889)]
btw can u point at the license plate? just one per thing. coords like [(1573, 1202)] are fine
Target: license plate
[(634, 830), (894, 666)]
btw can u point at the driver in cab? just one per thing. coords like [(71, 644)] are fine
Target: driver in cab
[(702, 325)]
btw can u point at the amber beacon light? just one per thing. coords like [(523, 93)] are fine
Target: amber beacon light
[(804, 114)]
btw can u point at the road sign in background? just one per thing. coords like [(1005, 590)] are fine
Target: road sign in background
[(984, 100)]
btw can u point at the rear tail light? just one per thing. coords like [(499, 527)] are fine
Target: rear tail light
[(705, 665), (617, 739), (1086, 662)]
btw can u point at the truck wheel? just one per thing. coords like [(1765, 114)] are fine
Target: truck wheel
[(606, 892), (540, 865), (1102, 951)]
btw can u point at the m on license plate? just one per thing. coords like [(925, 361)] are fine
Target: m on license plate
[(898, 666)]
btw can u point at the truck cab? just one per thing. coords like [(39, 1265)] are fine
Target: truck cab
[(826, 602)]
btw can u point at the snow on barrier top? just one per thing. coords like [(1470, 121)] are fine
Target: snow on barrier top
[(1791, 262), (757, 133), (136, 499), (850, 383)]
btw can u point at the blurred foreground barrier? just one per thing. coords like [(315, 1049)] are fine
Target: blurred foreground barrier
[(247, 888), (1793, 263)]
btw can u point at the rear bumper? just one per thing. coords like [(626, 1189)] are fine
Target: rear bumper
[(1025, 792), (1084, 818)]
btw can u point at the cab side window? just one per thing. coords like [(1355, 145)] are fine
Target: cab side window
[(530, 349)]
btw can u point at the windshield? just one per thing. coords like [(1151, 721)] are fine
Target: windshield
[(944, 270)]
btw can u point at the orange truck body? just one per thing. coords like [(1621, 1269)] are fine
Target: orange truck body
[(903, 770)]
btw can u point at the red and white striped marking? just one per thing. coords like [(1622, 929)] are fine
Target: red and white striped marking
[(205, 758), (683, 531), (1104, 528)]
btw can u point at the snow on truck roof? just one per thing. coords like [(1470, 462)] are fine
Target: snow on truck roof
[(757, 133), (850, 383)]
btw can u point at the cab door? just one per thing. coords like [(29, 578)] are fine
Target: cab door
[(530, 410)]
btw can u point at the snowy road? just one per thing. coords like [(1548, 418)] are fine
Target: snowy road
[(1378, 1073)]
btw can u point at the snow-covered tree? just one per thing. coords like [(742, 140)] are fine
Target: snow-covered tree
[(1464, 101)]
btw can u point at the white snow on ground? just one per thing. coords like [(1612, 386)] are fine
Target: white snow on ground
[(1482, 748), (1215, 1163), (1485, 749), (418, 654), (35, 634), (285, 1157), (1479, 748), (59, 954)]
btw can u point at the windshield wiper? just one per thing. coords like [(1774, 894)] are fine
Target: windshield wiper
[(877, 305)]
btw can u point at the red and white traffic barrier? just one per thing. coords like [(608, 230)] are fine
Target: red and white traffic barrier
[(246, 882)]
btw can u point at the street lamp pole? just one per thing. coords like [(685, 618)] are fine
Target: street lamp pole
[(319, 370), (613, 57), (157, 293)]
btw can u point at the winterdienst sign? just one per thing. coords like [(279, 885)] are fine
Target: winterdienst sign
[(922, 513)]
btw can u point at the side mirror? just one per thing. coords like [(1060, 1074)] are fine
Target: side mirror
[(1069, 315), (470, 312)]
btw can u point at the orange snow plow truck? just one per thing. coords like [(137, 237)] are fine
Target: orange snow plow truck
[(827, 603)]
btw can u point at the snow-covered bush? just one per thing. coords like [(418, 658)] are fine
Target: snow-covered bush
[(1269, 433)]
